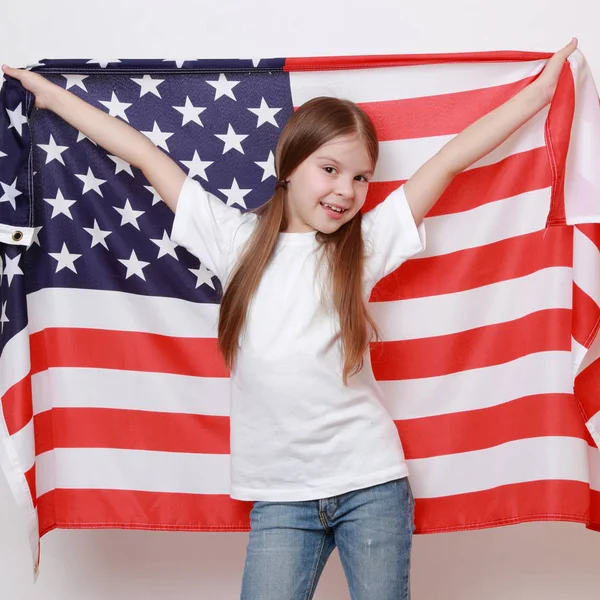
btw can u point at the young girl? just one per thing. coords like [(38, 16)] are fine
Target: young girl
[(311, 443)]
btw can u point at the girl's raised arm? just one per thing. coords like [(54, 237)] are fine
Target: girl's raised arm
[(481, 137), (114, 135)]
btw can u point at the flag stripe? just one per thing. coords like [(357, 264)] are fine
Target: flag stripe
[(532, 416), (559, 500), (380, 85), (516, 174), (512, 462), (493, 344), (399, 159), (556, 500), (204, 434), (436, 115), (453, 272)]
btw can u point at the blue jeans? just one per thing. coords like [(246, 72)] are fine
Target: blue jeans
[(290, 543)]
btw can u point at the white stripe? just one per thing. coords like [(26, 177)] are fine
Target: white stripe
[(486, 224), (100, 309), (141, 470), (14, 361), (104, 388), (399, 320), (592, 355), (515, 462), (409, 399), (580, 356), (593, 426), (445, 314), (395, 83), (24, 442), (586, 263), (399, 159), (477, 389), (532, 459)]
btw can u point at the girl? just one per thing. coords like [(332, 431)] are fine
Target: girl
[(311, 443)]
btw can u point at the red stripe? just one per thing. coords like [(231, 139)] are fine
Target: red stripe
[(484, 346), (550, 500), (517, 174), (17, 406), (331, 63), (130, 429), (587, 389), (125, 509), (528, 417), (104, 509), (476, 267), (591, 231), (130, 350), (436, 115), (30, 478), (586, 317), (558, 134)]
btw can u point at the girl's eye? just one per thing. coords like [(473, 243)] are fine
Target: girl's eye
[(329, 168), (363, 178)]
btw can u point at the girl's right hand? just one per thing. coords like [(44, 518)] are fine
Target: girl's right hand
[(39, 86)]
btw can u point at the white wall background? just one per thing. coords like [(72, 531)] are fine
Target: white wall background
[(539, 560)]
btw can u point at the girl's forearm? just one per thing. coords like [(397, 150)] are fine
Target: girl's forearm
[(488, 132), (114, 135)]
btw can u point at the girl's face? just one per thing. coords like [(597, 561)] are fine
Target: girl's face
[(329, 187)]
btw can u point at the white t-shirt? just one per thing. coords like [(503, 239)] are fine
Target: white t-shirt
[(297, 433)]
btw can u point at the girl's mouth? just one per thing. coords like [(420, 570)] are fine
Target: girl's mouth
[(335, 212)]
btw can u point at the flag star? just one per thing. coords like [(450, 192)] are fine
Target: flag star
[(197, 166), (10, 193), (11, 268), (203, 276), (90, 182), (268, 166), (76, 80), (158, 137), (233, 140), (64, 259), (60, 205), (235, 195), (98, 235), (147, 84), (128, 215), (190, 112), (115, 107), (3, 154), (35, 237), (155, 196), (17, 118), (3, 317), (134, 265), (121, 165), (53, 151), (103, 62), (256, 62), (165, 246), (265, 114), (223, 87)]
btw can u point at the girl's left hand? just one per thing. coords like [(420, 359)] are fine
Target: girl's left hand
[(549, 76)]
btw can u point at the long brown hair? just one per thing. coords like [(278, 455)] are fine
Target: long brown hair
[(315, 123)]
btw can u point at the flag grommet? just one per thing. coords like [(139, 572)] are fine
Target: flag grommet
[(17, 236)]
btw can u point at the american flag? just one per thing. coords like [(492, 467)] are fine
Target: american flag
[(114, 397)]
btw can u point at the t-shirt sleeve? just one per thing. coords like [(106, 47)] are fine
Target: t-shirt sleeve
[(207, 227), (391, 236)]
